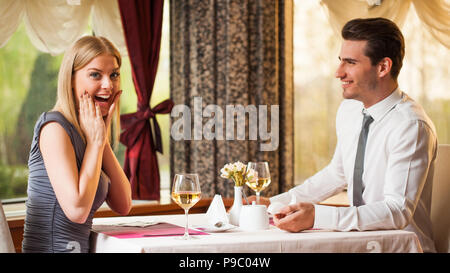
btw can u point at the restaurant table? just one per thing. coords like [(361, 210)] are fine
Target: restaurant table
[(109, 236)]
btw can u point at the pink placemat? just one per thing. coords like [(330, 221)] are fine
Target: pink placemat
[(158, 230)]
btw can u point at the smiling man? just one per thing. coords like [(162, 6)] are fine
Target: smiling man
[(386, 146)]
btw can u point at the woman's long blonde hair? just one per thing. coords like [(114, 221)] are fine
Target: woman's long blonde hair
[(83, 51)]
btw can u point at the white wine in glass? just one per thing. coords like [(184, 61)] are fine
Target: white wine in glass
[(186, 199), (186, 193), (263, 177)]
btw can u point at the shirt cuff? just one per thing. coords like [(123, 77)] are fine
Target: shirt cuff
[(325, 217), (284, 198)]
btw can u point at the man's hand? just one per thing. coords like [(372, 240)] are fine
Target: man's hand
[(295, 218)]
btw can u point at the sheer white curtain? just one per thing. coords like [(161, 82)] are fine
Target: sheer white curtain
[(52, 25), (433, 13)]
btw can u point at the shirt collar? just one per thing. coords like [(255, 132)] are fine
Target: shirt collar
[(380, 109)]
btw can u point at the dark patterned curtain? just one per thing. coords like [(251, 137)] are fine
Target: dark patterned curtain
[(232, 53)]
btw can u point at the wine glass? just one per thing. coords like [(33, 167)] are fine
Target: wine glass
[(186, 193), (262, 172)]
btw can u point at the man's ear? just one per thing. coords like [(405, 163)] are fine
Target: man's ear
[(384, 67)]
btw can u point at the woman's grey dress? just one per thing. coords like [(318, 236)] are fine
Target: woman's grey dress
[(47, 229)]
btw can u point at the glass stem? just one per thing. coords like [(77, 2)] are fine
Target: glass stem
[(186, 229), (257, 198)]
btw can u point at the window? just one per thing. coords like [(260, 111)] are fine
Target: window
[(424, 76), (34, 76), (161, 92), (28, 84)]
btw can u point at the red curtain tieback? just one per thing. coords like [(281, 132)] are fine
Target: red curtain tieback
[(133, 124)]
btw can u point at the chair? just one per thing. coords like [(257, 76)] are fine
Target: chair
[(440, 204), (6, 242)]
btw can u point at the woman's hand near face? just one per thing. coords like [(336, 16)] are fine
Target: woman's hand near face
[(91, 121), (112, 108)]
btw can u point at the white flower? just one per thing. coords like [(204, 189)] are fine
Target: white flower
[(239, 166), (237, 173), (226, 172)]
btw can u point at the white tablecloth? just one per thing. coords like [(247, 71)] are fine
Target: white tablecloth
[(265, 241)]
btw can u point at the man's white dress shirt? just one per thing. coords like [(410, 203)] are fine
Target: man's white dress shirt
[(398, 170)]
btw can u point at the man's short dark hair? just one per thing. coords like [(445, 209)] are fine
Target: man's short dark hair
[(384, 39)]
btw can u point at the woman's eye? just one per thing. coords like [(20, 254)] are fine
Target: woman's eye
[(115, 75), (94, 75)]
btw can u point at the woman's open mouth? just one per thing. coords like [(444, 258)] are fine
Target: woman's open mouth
[(103, 101), (102, 98)]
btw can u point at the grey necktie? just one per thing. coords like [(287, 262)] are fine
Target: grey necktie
[(359, 162)]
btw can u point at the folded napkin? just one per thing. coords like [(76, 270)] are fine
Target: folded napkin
[(216, 211)]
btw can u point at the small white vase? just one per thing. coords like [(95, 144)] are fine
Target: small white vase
[(235, 211)]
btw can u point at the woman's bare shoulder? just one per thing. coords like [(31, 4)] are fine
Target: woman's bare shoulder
[(53, 135)]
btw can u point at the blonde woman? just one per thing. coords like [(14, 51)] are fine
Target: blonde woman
[(72, 168)]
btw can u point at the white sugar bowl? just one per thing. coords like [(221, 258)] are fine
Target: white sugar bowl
[(254, 217)]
